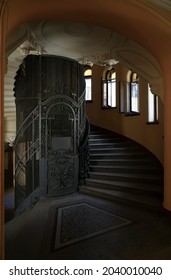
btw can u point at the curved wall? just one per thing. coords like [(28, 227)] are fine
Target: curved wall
[(134, 127)]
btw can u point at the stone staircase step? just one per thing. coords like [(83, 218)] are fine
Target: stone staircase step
[(151, 189), (114, 150), (109, 144), (118, 155), (122, 168), (103, 132), (124, 197), (121, 161), (131, 177), (93, 140)]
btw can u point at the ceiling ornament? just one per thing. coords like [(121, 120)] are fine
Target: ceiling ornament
[(91, 45), (163, 3), (138, 59), (76, 29), (16, 38), (30, 46), (11, 140), (103, 59), (162, 7), (73, 39), (86, 61)]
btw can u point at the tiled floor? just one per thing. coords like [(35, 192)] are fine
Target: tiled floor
[(49, 230)]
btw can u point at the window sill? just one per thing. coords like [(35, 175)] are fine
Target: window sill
[(154, 122), (108, 108), (131, 114), (89, 101)]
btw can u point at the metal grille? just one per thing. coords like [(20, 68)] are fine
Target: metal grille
[(48, 139)]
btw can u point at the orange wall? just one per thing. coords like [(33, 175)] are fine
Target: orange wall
[(134, 127)]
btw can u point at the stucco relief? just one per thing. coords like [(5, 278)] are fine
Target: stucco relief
[(162, 3), (86, 43), (75, 40), (67, 37), (30, 46), (141, 61), (102, 59), (16, 38), (162, 7)]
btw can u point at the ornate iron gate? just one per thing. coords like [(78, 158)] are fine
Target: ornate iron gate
[(59, 142)]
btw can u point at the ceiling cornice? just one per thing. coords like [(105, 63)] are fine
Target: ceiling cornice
[(159, 8), (88, 44)]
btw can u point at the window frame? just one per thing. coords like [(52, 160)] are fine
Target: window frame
[(134, 81), (126, 95), (107, 84), (154, 107), (88, 78)]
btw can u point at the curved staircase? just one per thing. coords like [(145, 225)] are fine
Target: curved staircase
[(122, 170)]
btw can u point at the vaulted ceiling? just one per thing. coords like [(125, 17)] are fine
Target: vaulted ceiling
[(87, 43)]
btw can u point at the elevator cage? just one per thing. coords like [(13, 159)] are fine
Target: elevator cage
[(51, 124)]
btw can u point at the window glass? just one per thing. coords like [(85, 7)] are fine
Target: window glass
[(109, 89), (134, 97), (129, 94), (134, 93), (88, 83), (152, 106), (88, 72)]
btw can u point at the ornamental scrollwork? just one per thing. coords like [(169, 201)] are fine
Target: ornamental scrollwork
[(60, 173)]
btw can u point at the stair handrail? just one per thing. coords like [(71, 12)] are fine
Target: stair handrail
[(20, 161), (29, 117)]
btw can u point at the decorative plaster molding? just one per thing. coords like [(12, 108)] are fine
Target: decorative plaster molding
[(76, 29), (164, 4), (141, 61), (3, 5), (86, 61), (81, 41), (55, 37), (102, 59), (160, 7), (24, 38), (17, 37), (10, 139), (31, 46), (75, 40)]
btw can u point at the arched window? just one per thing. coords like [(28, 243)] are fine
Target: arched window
[(109, 89), (88, 83), (129, 94), (152, 107), (134, 92)]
